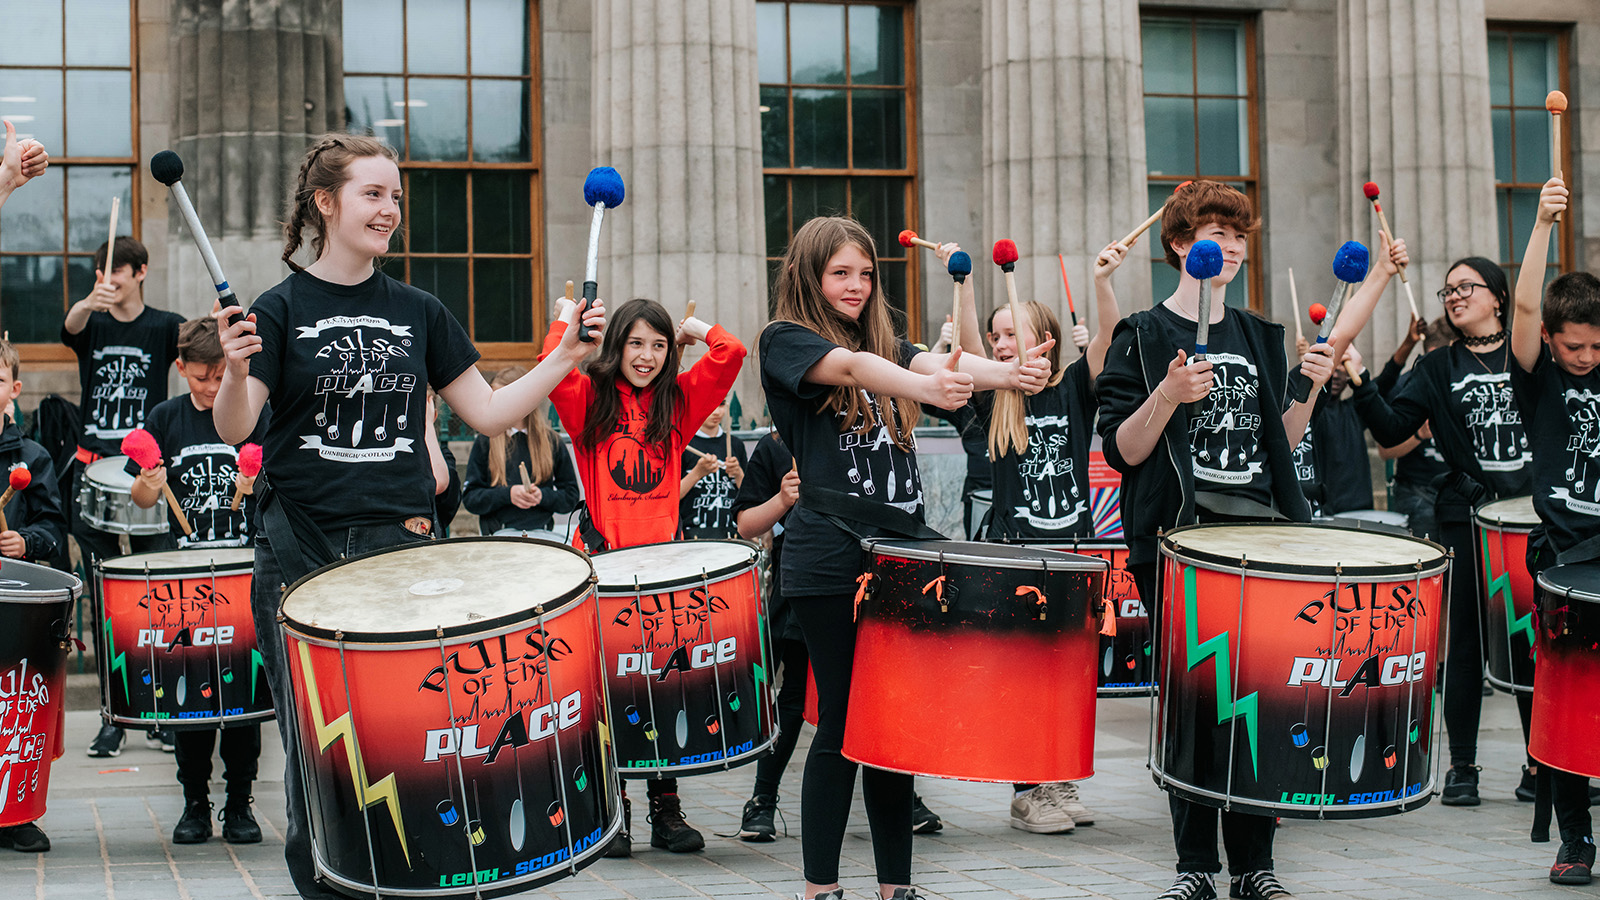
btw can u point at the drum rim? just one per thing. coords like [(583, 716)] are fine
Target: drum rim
[(1175, 785), (604, 589), (1347, 573), (1087, 543), (1482, 516), (103, 567), (1054, 561), (1543, 584), (555, 606), (66, 593)]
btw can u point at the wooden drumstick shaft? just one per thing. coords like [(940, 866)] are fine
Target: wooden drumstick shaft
[(238, 498), (922, 243), (1016, 317), (1294, 298), (527, 480), (177, 511), (1555, 149), (1135, 234), (111, 242), (4, 499), (955, 318), (688, 313)]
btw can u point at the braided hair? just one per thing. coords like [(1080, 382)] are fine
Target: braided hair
[(325, 168)]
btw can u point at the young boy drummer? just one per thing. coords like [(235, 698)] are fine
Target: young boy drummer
[(1557, 385), (1154, 439)]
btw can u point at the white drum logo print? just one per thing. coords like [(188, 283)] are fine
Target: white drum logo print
[(1227, 435), (362, 403), (1498, 440), (1581, 473), (1047, 475)]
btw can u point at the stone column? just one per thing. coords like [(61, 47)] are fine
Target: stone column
[(675, 111), (1414, 118), (253, 82), (1063, 159)]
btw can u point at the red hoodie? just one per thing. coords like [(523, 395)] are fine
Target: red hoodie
[(630, 487)]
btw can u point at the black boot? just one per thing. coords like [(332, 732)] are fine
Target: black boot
[(668, 828), (238, 823), (195, 826)]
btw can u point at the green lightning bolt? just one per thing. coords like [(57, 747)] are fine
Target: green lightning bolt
[(256, 665), (1242, 708), (119, 663), (1502, 585)]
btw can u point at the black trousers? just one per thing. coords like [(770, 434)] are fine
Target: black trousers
[(1246, 837), (241, 755), (794, 662), (830, 781)]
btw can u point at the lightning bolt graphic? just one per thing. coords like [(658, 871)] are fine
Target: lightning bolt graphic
[(256, 665), (1502, 585), (1242, 708), (119, 663), (605, 754), (383, 790)]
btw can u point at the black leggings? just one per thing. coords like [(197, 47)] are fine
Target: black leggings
[(791, 656), (241, 756), (830, 779)]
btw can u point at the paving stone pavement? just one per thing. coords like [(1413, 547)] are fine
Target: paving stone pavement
[(111, 830)]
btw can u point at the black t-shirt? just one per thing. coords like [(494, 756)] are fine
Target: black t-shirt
[(202, 472), (1342, 460), (705, 512), (973, 442), (122, 369), (820, 558), (763, 478), (1424, 463), (1044, 492), (1563, 414), (1225, 434), (348, 368), (1305, 467)]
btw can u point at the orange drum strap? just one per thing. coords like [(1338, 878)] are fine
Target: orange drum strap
[(864, 587), (1039, 599)]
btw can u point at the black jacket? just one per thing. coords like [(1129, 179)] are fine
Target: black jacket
[(492, 503), (1159, 492), (34, 513)]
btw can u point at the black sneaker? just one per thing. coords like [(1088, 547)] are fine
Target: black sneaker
[(195, 826), (1191, 886), (238, 823), (1573, 862), (923, 820), (1258, 885), (835, 894), (621, 846), (669, 830), (1525, 788), (28, 838), (108, 742), (757, 825), (1460, 786), (905, 893)]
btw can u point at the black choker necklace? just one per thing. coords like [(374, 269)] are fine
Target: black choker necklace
[(1484, 340)]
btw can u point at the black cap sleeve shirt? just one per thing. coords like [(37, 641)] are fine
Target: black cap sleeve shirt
[(122, 369), (202, 472), (819, 558), (1043, 492), (348, 368), (1563, 415)]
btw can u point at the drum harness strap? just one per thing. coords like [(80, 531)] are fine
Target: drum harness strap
[(851, 513), (1583, 551), (1235, 507), (299, 544)]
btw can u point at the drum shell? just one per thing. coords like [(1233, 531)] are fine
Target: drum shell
[(1565, 729), (707, 695), (105, 500), (177, 641), (933, 692), (1125, 666), (34, 638), (1334, 678), (1507, 596)]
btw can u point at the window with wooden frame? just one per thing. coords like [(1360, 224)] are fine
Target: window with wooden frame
[(1200, 122), (838, 129), (1526, 63), (451, 85), (69, 79)]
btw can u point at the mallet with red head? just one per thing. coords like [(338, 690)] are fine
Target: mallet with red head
[(141, 447), (1005, 256), (249, 467), (18, 480), (1371, 190), (1318, 313), (1555, 103), (909, 239), (1145, 225)]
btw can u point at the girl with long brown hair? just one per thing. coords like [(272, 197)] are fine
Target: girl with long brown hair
[(495, 490)]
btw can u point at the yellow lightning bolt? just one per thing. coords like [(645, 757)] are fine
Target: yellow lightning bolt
[(605, 755), (383, 790)]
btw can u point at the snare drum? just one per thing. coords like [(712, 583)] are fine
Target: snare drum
[(35, 633), (956, 642), (105, 499), (178, 644), (1565, 731), (1297, 669), (451, 717), (1507, 591), (686, 656)]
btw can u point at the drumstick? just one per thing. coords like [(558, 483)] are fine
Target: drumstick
[(1371, 190), (959, 267), (19, 480), (1556, 103), (1005, 256), (527, 481), (1145, 225), (1318, 312), (1294, 298), (727, 440), (688, 313), (909, 238), (111, 242), (1068, 287)]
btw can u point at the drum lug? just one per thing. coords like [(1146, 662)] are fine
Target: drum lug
[(938, 587)]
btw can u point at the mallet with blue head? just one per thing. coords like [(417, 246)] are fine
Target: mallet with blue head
[(603, 189), (1350, 267), (1203, 264), (959, 267)]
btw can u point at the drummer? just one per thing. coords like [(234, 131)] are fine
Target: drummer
[(1557, 383), (711, 480), (204, 475), (1154, 440), (495, 491)]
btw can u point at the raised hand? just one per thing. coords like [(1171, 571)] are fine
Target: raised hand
[(1552, 200), (239, 339), (1317, 364)]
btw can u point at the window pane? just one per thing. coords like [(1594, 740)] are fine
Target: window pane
[(377, 106), (1501, 205), (438, 118), (814, 197), (1500, 119), (1168, 57), (437, 31), (1532, 62), (98, 120), (879, 124), (30, 298), (1524, 208), (819, 129), (877, 46), (1499, 71), (816, 41), (1532, 145), (775, 127), (1163, 281), (89, 193), (35, 217), (33, 36), (893, 275), (777, 209), (500, 131), (80, 279), (1220, 53), (438, 211), (499, 37), (31, 99), (447, 280), (1169, 135), (500, 213), (97, 32), (503, 289), (1239, 289), (374, 36), (771, 61), (879, 204), (1224, 137)]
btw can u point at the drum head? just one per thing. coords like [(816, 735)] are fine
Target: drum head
[(110, 472), (1000, 556), (462, 585), (1517, 511), (23, 582), (1579, 581), (1305, 549), (181, 562), (654, 566)]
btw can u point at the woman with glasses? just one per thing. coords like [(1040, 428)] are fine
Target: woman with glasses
[(1463, 393)]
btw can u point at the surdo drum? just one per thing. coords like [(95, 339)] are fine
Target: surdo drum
[(1297, 669), (451, 718), (35, 634), (1508, 591), (1565, 731)]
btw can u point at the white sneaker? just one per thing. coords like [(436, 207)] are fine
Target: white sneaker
[(1068, 796), (1040, 811)]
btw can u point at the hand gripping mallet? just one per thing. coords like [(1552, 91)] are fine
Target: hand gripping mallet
[(249, 467), (1005, 256), (141, 447), (167, 168), (1145, 225), (18, 480), (1318, 312), (1350, 267), (909, 239), (603, 189), (1204, 263), (959, 267), (1555, 103), (1371, 190)]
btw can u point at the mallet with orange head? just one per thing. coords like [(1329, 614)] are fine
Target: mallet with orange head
[(1145, 225), (1556, 103), (1371, 190), (19, 480), (909, 239), (1005, 256)]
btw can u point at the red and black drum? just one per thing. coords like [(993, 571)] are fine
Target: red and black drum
[(35, 634), (958, 643), (686, 656), (1124, 667), (1508, 591), (1565, 731), (450, 713), (1298, 669), (178, 644)]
